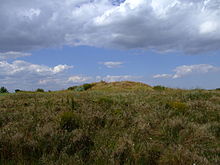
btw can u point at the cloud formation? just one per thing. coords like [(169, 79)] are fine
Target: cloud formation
[(22, 68), (185, 70), (22, 74), (110, 78), (78, 79), (112, 64), (13, 55), (130, 24)]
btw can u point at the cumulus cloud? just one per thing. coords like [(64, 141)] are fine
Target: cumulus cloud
[(112, 64), (22, 68), (22, 74), (162, 76), (110, 78), (129, 24), (78, 79), (185, 70), (13, 55)]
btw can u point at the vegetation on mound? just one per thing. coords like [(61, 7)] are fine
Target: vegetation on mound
[(109, 125), (3, 90)]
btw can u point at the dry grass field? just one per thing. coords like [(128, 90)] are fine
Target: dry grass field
[(111, 123)]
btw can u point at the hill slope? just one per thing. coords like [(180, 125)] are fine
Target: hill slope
[(111, 123), (120, 86)]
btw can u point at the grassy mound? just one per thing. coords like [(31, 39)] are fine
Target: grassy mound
[(111, 123), (114, 86)]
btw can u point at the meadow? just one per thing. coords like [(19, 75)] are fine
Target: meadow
[(111, 123)]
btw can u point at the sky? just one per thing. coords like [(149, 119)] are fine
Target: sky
[(56, 44)]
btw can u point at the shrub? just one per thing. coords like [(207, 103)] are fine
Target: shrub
[(87, 86), (17, 90), (159, 88), (72, 88), (69, 121), (84, 87), (79, 89), (39, 90), (3, 90)]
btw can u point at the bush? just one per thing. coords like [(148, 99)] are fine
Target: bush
[(84, 87), (69, 121), (3, 90), (79, 89), (159, 88), (72, 88), (87, 86), (17, 90), (39, 90)]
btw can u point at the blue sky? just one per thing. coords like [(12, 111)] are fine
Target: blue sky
[(56, 45)]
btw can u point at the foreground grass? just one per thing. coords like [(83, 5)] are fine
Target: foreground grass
[(134, 126)]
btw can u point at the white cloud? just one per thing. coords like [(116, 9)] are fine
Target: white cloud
[(112, 64), (22, 68), (162, 76), (13, 55), (28, 76), (185, 70), (78, 79), (208, 27), (153, 24), (61, 68), (109, 78)]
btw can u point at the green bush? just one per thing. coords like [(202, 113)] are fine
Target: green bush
[(79, 89), (17, 90), (3, 90), (39, 90), (87, 86), (69, 121), (72, 88), (159, 88)]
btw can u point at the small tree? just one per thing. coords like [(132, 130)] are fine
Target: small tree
[(17, 90), (3, 90), (39, 90)]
